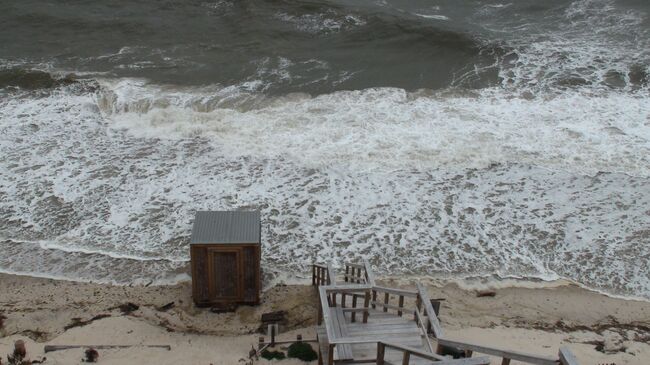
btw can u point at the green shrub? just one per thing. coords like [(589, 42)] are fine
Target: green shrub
[(302, 351), (270, 355)]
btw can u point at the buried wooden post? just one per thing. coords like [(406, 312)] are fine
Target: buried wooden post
[(299, 338), (272, 331)]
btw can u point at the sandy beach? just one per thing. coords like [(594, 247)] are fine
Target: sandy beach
[(599, 329)]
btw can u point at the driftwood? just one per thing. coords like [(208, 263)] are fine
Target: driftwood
[(274, 317), (50, 348), (166, 307), (486, 293)]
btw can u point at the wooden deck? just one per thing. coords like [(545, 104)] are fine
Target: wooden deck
[(380, 326), (360, 322)]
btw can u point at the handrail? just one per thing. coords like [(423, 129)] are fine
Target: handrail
[(437, 359), (423, 329), (404, 292), (324, 303), (507, 354), (370, 275), (431, 314)]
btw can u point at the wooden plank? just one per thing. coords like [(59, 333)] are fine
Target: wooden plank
[(431, 314), (513, 355), (384, 330), (366, 304), (355, 265), (414, 351), (567, 357), (423, 331), (331, 274), (344, 351), (370, 275), (406, 293), (388, 306), (348, 288), (327, 320)]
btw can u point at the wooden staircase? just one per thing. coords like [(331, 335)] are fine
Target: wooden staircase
[(359, 322)]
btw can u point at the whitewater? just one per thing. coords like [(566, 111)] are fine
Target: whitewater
[(541, 172)]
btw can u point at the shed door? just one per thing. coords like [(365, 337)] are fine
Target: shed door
[(225, 273)]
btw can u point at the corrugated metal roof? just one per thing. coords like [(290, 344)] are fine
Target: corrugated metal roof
[(226, 227)]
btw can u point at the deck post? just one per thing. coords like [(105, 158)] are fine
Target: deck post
[(406, 358), (366, 303), (401, 305), (330, 355), (374, 298), (354, 305), (386, 298), (505, 361), (320, 312), (418, 306), (381, 349)]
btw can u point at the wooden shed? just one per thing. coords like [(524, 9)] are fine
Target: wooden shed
[(225, 250)]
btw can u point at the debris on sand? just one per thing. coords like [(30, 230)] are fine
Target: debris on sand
[(78, 322), (91, 355), (129, 307), (486, 293), (166, 307)]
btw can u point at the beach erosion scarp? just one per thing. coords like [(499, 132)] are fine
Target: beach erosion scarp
[(537, 319)]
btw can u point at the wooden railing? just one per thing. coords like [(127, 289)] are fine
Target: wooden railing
[(359, 284), (320, 274), (565, 356), (409, 352)]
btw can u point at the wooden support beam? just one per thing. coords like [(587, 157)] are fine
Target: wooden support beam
[(354, 305), (406, 358), (374, 298), (401, 305), (366, 302), (386, 298), (381, 351), (330, 355)]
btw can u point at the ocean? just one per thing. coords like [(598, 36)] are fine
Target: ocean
[(450, 139)]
